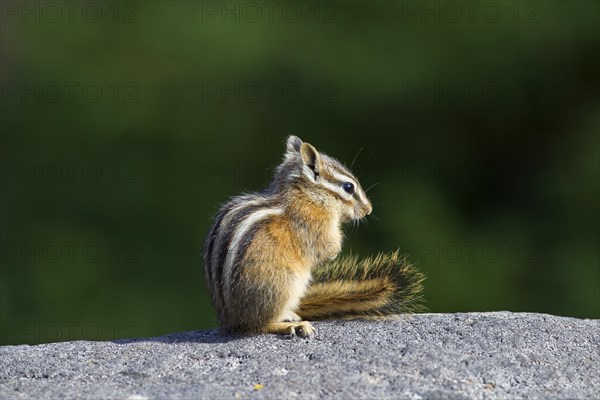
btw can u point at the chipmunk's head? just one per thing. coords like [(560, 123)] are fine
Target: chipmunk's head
[(324, 178)]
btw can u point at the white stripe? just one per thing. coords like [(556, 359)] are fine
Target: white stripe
[(336, 188), (244, 202), (225, 223), (343, 178), (240, 233), (362, 195), (357, 188), (309, 173)]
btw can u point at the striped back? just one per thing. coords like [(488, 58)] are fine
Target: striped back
[(228, 239)]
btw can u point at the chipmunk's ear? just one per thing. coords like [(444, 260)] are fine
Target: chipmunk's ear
[(311, 158), (293, 144)]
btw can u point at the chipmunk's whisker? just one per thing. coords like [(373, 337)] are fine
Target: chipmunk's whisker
[(371, 187), (355, 157)]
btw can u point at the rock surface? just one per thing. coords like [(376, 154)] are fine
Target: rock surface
[(445, 356)]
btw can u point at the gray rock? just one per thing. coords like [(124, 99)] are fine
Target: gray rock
[(432, 356)]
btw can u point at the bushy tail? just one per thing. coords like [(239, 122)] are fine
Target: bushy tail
[(375, 286)]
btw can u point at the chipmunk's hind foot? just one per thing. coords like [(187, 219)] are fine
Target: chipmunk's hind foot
[(303, 329)]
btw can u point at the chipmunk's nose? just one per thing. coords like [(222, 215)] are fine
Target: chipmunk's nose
[(369, 209)]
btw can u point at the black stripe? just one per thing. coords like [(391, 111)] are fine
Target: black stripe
[(217, 231), (212, 234), (339, 169), (210, 242), (230, 230), (209, 247), (342, 170), (227, 236), (340, 198), (209, 266), (243, 248)]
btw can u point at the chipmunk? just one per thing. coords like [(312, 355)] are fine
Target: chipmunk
[(269, 257)]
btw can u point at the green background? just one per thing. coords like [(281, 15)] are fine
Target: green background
[(122, 132)]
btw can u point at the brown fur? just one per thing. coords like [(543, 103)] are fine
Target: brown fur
[(323, 300)]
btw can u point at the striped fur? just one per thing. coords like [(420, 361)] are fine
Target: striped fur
[(262, 247), (375, 286), (219, 254)]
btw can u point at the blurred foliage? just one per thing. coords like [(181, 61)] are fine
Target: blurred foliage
[(479, 132)]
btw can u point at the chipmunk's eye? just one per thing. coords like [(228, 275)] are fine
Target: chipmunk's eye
[(348, 187)]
